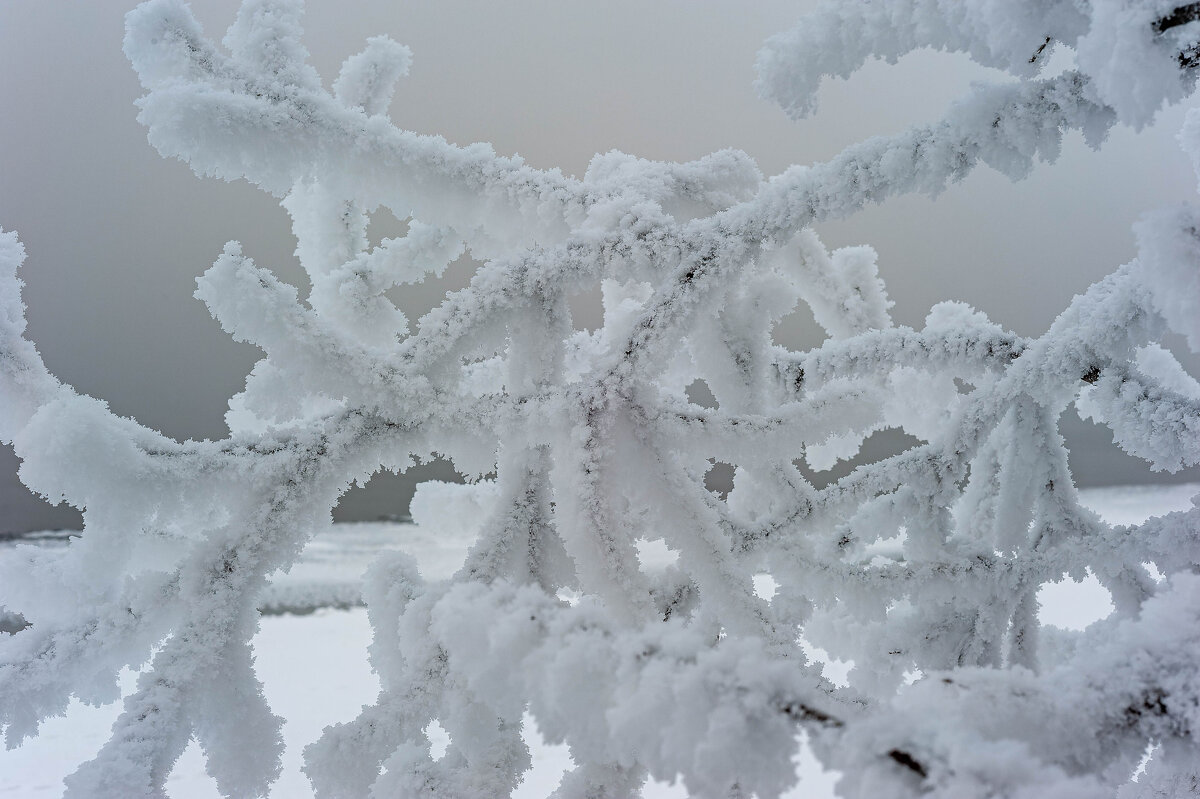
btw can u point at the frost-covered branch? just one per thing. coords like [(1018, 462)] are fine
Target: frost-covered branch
[(922, 568)]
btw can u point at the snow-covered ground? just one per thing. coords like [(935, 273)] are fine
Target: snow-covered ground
[(315, 671)]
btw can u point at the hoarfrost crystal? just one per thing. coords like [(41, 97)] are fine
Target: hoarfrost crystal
[(922, 568)]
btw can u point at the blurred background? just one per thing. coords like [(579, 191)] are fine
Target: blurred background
[(116, 235)]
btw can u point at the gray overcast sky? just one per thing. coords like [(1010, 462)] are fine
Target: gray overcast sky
[(116, 234)]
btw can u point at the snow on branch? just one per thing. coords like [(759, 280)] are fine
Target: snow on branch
[(1139, 54), (922, 568)]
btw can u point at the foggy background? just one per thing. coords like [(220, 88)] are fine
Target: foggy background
[(116, 235)]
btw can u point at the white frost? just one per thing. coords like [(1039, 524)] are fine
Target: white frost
[(922, 569)]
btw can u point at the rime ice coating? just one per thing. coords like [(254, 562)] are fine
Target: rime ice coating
[(922, 568), (1130, 51)]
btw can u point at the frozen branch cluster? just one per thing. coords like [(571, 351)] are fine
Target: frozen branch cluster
[(922, 568)]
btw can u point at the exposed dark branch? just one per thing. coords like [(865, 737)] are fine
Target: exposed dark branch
[(908, 761), (1189, 56), (798, 711), (1182, 15), (1038, 53)]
